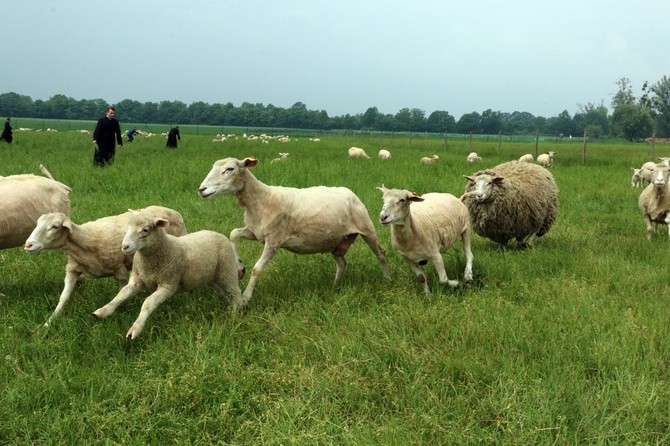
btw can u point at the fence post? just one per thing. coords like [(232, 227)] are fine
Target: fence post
[(537, 141), (499, 141), (584, 148), (470, 141), (445, 141)]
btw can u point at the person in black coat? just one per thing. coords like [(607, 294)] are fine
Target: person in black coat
[(7, 132), (106, 131), (173, 135)]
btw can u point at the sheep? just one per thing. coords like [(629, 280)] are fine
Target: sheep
[(636, 178), (23, 198), (426, 229), (647, 172), (429, 159), (304, 221), (166, 265), (512, 200), (92, 248), (384, 154), (664, 160), (546, 159), (527, 158), (654, 201), (357, 152), (282, 157), (473, 158)]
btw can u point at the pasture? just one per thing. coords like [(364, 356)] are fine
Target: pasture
[(567, 342)]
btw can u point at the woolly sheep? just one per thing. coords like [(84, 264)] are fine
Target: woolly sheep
[(304, 221), (384, 154), (527, 158), (636, 178), (512, 200), (167, 265), (647, 172), (92, 248), (665, 160), (429, 159), (23, 198), (473, 158), (654, 201), (422, 228), (357, 152), (546, 159)]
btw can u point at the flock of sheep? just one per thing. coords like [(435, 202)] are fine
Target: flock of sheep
[(151, 248)]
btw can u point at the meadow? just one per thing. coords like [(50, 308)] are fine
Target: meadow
[(567, 342)]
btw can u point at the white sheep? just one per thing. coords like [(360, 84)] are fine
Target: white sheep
[(429, 159), (422, 228), (665, 160), (357, 152), (636, 178), (647, 172), (167, 265), (384, 154), (282, 157), (23, 198), (546, 159), (92, 248), (473, 158), (304, 221), (527, 158), (654, 201)]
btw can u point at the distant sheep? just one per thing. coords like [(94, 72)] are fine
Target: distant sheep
[(546, 159), (357, 152), (166, 265), (473, 158), (304, 221), (654, 201), (282, 157), (384, 154), (527, 158), (422, 228), (512, 200), (429, 159), (92, 248), (636, 178)]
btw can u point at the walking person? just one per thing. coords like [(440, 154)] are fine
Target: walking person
[(106, 136), (7, 131), (172, 137)]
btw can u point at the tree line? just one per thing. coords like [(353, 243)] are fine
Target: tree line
[(632, 117)]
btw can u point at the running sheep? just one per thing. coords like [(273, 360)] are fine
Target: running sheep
[(512, 200), (167, 265), (423, 228)]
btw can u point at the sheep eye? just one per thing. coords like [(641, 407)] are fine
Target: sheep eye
[(230, 169), (145, 230), (55, 227)]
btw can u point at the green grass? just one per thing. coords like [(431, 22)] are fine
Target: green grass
[(563, 343)]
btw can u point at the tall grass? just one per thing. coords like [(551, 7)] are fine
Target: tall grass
[(563, 343)]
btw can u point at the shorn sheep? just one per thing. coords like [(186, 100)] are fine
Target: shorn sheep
[(167, 265), (647, 173), (384, 154), (357, 152), (654, 201), (429, 159), (473, 158), (304, 221), (546, 159), (92, 248), (527, 158), (422, 228), (636, 178), (512, 200), (23, 198)]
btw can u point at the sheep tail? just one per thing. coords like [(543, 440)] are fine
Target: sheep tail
[(45, 172)]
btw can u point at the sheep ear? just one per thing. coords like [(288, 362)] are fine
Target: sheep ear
[(414, 197), (161, 223), (67, 224), (497, 179), (133, 211), (382, 189), (469, 178), (250, 162)]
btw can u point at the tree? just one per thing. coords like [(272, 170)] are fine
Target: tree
[(625, 93), (13, 104), (469, 123), (592, 117), (490, 122), (659, 103), (369, 118), (441, 122), (632, 121)]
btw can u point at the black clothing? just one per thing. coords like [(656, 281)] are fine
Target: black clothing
[(7, 133), (173, 134), (106, 130)]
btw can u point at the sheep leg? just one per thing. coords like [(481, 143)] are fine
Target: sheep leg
[(228, 288), (438, 263), (418, 272), (134, 286), (269, 252), (150, 304), (373, 243), (465, 238), (235, 236), (71, 278), (339, 253)]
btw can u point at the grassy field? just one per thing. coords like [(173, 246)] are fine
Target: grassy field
[(564, 343)]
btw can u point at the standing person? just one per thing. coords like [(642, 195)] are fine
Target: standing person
[(173, 135), (7, 132), (106, 130)]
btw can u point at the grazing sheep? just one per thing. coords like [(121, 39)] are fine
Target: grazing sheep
[(473, 158), (429, 159), (654, 201), (527, 158), (357, 152), (426, 229), (23, 198), (636, 178), (546, 159), (282, 157), (92, 248), (384, 154), (304, 221), (512, 200), (166, 265)]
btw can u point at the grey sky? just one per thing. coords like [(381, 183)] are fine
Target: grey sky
[(341, 56)]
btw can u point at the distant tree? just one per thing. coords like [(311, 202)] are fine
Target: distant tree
[(517, 123), (632, 121), (13, 104), (490, 122), (440, 122), (625, 93), (560, 125), (469, 123), (403, 120), (593, 117), (657, 98), (369, 118)]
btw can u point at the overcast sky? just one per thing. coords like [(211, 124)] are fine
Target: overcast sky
[(341, 56)]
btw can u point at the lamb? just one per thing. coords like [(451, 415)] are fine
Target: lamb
[(546, 159), (429, 159), (23, 199), (512, 200), (166, 265), (654, 201), (426, 229), (282, 157), (384, 154), (304, 221), (636, 178), (527, 158), (92, 248), (473, 158), (357, 152)]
